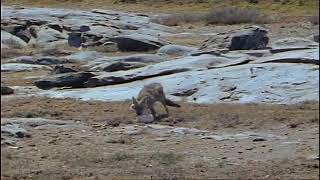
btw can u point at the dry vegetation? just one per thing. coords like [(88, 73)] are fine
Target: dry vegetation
[(191, 115)]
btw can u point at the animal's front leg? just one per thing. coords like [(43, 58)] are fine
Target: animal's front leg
[(153, 112)]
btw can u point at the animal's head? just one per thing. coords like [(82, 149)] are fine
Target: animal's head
[(136, 106)]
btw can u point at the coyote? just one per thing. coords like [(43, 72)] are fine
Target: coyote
[(150, 94)]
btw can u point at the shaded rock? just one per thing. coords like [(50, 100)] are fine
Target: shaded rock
[(251, 38), (60, 69), (290, 44), (74, 80), (177, 50), (118, 66), (11, 40), (14, 130), (18, 67), (299, 56), (41, 60), (137, 42), (5, 90), (314, 38)]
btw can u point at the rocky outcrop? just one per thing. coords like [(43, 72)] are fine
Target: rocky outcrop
[(251, 38)]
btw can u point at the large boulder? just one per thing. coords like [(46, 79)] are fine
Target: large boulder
[(74, 80), (251, 38), (176, 50), (137, 42), (12, 41)]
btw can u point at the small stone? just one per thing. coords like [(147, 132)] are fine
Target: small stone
[(240, 152), (258, 139), (249, 148), (224, 157), (160, 139)]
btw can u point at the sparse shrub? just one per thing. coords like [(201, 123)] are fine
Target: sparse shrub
[(121, 156), (167, 158), (234, 15), (178, 19)]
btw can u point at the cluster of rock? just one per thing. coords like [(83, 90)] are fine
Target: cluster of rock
[(236, 66)]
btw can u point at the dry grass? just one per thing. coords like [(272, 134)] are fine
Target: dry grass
[(189, 115), (271, 7), (234, 15)]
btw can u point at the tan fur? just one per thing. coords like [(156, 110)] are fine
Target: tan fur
[(148, 96)]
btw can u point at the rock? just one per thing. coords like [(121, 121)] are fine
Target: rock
[(12, 41), (290, 44), (14, 130), (283, 83), (176, 50), (18, 67), (299, 56), (42, 35), (74, 80), (100, 63), (160, 69), (137, 42), (146, 118), (259, 139), (60, 69), (84, 56), (314, 38), (41, 60), (5, 90), (251, 38), (119, 66)]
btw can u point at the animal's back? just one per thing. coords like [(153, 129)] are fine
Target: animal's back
[(152, 90)]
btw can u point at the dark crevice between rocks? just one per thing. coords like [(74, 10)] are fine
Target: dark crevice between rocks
[(113, 80), (235, 64)]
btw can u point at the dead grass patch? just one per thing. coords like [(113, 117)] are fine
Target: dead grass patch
[(190, 115), (235, 15)]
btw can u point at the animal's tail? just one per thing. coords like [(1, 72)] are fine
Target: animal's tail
[(171, 103)]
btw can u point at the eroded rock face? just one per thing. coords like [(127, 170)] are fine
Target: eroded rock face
[(251, 38)]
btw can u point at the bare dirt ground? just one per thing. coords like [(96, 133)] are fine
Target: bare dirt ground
[(98, 144)]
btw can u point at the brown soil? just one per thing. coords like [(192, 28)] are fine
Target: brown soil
[(100, 152)]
